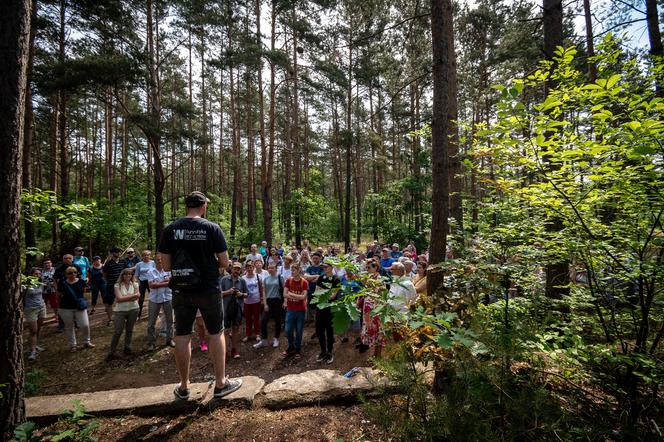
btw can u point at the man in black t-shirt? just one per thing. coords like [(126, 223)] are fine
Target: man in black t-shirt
[(205, 247), (111, 272)]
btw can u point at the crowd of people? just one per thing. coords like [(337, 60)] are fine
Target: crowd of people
[(234, 299)]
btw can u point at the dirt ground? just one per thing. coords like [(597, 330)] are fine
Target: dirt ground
[(58, 371)]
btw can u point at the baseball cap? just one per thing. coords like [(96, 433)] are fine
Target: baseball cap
[(237, 264), (130, 249), (96, 257), (78, 249), (195, 199)]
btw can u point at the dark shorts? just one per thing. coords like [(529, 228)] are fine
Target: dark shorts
[(232, 319), (108, 295), (185, 306)]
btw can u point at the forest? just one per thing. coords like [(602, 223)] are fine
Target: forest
[(519, 142)]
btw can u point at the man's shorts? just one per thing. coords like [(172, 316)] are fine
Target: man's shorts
[(232, 320), (185, 306), (108, 295), (34, 314), (52, 299)]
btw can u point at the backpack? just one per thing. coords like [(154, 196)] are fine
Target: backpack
[(185, 275)]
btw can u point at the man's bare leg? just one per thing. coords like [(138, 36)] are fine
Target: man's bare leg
[(217, 345), (182, 359)]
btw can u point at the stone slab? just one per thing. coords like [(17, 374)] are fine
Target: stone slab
[(244, 397), (318, 387)]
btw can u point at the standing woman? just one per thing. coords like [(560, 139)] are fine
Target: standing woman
[(252, 303), (142, 271), (34, 310), (125, 311), (74, 306), (372, 334), (97, 281)]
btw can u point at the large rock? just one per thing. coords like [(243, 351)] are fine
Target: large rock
[(318, 387), (145, 400), (244, 397)]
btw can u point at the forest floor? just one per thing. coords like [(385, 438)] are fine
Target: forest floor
[(59, 371)]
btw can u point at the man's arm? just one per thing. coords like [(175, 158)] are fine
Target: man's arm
[(223, 261), (166, 261)]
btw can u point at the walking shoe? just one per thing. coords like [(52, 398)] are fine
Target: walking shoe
[(89, 345), (73, 348), (297, 356), (33, 355), (170, 343), (230, 386), (260, 344), (181, 393), (235, 354), (110, 357), (258, 338), (288, 353), (245, 339), (275, 342), (329, 359), (204, 346), (321, 357)]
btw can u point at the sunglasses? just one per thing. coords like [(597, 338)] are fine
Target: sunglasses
[(72, 273)]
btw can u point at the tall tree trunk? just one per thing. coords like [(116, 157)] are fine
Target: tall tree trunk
[(267, 183), (295, 133), (108, 136), (590, 45), (62, 114), (28, 226), (655, 39), (349, 144), (251, 194), (192, 158), (15, 43), (235, 206), (455, 177)]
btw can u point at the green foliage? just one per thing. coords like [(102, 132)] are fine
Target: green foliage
[(26, 432), (41, 206), (74, 425), (33, 380)]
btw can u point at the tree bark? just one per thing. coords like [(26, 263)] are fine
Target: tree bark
[(590, 45), (15, 20), (655, 39), (62, 113), (349, 145), (28, 226)]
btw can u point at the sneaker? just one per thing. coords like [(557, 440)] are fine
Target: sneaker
[(329, 359), (170, 343), (235, 354), (321, 357), (297, 356), (275, 342), (261, 343), (89, 345), (150, 347), (230, 386), (33, 355), (258, 338), (245, 339), (204, 346), (287, 354), (73, 348), (181, 393)]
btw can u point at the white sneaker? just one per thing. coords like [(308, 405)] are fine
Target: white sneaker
[(258, 339), (260, 344), (275, 342)]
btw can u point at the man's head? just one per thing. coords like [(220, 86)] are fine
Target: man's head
[(258, 265), (196, 203), (288, 260), (115, 252), (295, 270), (327, 268), (385, 252), (236, 269), (48, 263), (68, 259), (272, 269), (408, 266), (157, 259), (395, 247), (249, 267), (96, 260), (316, 258), (254, 249), (130, 252), (78, 251), (264, 244), (397, 269), (36, 271)]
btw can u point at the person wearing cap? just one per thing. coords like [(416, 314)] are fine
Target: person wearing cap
[(83, 263), (199, 241), (97, 282), (111, 271), (131, 259), (395, 253), (234, 289)]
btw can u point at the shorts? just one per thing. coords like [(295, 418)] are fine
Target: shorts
[(236, 319), (35, 314), (108, 295), (52, 299), (185, 306)]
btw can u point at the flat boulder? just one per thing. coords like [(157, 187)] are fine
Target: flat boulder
[(319, 387)]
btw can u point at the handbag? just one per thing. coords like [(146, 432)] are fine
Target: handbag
[(81, 303)]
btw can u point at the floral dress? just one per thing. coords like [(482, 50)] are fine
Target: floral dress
[(372, 333)]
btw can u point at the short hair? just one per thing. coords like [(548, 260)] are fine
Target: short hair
[(296, 266), (398, 266)]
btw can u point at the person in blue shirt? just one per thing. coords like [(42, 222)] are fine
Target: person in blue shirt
[(142, 271), (386, 260), (83, 263)]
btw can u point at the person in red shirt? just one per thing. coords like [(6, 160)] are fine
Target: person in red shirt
[(295, 303)]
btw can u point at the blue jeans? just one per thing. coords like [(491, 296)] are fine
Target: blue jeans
[(294, 330)]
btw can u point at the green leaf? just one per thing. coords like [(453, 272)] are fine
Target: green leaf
[(444, 341), (341, 321)]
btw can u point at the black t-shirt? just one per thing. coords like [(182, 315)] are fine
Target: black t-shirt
[(68, 300), (202, 239), (59, 274), (113, 268)]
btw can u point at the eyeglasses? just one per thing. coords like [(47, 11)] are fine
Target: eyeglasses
[(130, 253), (72, 273)]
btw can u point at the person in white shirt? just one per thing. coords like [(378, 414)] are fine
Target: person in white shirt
[(259, 270), (159, 298), (402, 290), (254, 255)]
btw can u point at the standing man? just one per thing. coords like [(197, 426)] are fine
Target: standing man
[(194, 250), (254, 255), (111, 272), (132, 259)]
